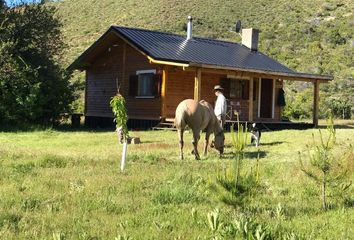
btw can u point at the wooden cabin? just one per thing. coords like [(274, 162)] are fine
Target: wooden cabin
[(155, 71)]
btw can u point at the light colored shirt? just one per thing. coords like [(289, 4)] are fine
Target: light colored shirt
[(220, 105)]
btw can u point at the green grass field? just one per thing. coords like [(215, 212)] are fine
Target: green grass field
[(67, 185)]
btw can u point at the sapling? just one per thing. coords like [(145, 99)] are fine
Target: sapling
[(326, 168), (120, 115), (120, 118)]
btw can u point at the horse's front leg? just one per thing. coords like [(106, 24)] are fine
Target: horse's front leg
[(180, 137), (196, 136), (207, 135)]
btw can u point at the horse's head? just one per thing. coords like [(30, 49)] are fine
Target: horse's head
[(219, 141)]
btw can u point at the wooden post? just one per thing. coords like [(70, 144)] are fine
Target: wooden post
[(163, 92), (273, 98), (86, 86), (197, 84), (316, 98), (250, 101), (259, 96)]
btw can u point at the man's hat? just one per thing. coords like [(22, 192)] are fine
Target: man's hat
[(218, 87)]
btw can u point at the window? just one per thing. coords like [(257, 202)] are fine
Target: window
[(235, 89), (239, 89), (145, 84)]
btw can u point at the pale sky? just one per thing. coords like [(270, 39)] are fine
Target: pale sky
[(9, 2)]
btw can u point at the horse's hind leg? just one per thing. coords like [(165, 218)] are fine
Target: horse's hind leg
[(196, 136), (180, 137), (207, 135)]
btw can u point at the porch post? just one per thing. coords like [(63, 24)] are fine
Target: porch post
[(316, 98), (259, 96), (163, 92), (250, 101), (197, 84)]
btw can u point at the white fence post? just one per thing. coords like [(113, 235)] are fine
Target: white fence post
[(124, 155)]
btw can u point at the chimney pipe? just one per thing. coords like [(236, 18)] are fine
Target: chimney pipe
[(250, 38), (189, 28)]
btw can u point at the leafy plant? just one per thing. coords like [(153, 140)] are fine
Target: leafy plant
[(123, 237), (120, 114), (243, 226), (248, 229), (214, 222), (279, 211), (59, 236)]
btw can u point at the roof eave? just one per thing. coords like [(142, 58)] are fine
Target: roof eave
[(286, 76)]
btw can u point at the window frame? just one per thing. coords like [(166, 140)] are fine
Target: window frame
[(240, 81), (146, 71)]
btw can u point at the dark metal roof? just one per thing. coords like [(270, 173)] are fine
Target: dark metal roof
[(172, 47), (199, 51)]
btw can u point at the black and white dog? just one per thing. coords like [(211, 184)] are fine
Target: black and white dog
[(255, 134)]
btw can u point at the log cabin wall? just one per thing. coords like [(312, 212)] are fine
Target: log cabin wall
[(101, 81), (209, 80), (111, 69), (140, 108), (180, 86)]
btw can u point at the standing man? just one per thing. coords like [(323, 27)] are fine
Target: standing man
[(220, 105)]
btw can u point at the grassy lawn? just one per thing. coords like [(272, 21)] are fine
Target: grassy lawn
[(67, 185)]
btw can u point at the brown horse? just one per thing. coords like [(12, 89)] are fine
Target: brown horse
[(198, 116)]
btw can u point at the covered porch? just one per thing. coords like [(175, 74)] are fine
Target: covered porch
[(253, 96)]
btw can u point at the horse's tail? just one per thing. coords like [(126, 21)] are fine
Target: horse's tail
[(180, 117)]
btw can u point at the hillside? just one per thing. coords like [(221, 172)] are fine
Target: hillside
[(309, 36)]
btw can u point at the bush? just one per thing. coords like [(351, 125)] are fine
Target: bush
[(33, 86), (299, 105)]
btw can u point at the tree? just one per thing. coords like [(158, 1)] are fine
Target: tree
[(33, 85), (339, 97), (327, 167)]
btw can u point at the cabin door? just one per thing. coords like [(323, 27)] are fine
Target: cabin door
[(266, 98)]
